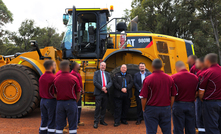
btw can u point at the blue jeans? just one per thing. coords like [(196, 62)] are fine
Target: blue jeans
[(184, 117), (199, 116), (66, 109), (212, 116), (154, 116), (48, 110)]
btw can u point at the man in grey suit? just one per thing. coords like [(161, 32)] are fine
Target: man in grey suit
[(102, 82)]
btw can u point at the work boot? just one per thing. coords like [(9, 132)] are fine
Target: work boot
[(81, 124)]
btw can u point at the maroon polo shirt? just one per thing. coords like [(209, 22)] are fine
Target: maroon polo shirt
[(76, 74), (158, 89), (46, 85), (193, 69), (211, 83), (201, 73), (67, 86), (186, 84), (58, 73)]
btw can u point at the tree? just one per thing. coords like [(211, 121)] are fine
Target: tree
[(210, 10)]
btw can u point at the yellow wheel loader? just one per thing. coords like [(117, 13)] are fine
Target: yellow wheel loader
[(87, 42)]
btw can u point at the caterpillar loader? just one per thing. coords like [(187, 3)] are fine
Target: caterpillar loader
[(87, 42)]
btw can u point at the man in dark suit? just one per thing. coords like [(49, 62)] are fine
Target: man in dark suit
[(123, 83), (138, 82), (102, 82)]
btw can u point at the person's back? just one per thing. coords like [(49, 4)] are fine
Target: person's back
[(48, 101), (157, 97), (183, 107)]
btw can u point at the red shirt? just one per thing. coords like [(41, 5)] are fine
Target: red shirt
[(186, 84), (76, 74), (58, 73), (66, 86), (158, 89), (201, 73), (211, 83), (46, 85), (193, 69)]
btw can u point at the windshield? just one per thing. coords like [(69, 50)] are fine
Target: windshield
[(67, 40)]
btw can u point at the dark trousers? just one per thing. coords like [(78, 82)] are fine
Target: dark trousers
[(66, 109), (199, 116), (101, 106), (184, 117), (212, 116), (122, 105), (79, 109), (139, 109), (48, 110), (154, 116)]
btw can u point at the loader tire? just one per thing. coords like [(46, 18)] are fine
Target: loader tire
[(131, 69), (19, 94)]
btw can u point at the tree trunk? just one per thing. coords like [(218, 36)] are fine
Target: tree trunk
[(215, 30)]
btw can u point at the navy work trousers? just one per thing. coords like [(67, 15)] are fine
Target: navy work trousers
[(212, 116), (79, 109), (139, 109), (199, 116), (66, 109), (154, 116), (184, 117), (48, 110)]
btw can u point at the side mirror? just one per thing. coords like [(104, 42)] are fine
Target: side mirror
[(65, 19)]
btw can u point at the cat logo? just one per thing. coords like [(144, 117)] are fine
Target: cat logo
[(130, 42)]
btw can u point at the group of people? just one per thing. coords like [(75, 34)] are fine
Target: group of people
[(60, 98), (193, 97)]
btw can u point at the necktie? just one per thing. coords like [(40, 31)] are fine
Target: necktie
[(104, 85)]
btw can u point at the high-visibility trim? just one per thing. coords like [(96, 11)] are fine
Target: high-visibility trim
[(86, 9), (201, 130), (59, 131), (72, 131), (20, 62), (79, 62), (79, 106), (193, 49), (91, 62), (201, 89), (43, 128), (51, 130)]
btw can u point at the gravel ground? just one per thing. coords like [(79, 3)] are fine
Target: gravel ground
[(31, 123)]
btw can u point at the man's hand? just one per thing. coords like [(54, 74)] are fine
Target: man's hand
[(124, 90), (104, 89), (82, 91), (55, 95)]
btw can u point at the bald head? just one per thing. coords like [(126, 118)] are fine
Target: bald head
[(180, 66), (210, 59)]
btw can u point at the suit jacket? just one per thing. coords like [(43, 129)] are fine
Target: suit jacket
[(138, 83), (117, 81), (97, 80)]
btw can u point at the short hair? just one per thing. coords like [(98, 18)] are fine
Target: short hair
[(142, 63), (48, 64), (201, 59), (157, 64), (123, 65), (180, 64), (64, 65), (73, 65), (194, 57), (212, 58)]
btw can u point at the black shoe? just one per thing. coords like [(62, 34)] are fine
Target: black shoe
[(103, 123), (124, 122), (138, 122), (95, 125), (116, 124)]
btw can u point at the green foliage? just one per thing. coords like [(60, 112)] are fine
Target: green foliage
[(188, 19)]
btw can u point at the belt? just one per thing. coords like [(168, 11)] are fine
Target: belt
[(184, 102)]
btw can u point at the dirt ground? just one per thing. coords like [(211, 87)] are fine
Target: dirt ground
[(31, 123)]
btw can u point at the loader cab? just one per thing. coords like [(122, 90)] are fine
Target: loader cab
[(83, 39)]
